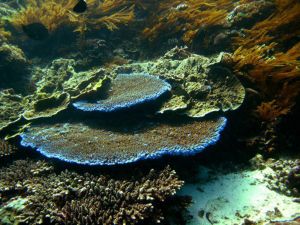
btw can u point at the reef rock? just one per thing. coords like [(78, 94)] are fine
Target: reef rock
[(202, 85), (111, 144), (11, 107), (57, 85), (127, 90), (14, 67)]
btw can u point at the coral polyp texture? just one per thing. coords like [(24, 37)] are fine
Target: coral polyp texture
[(127, 90), (119, 144)]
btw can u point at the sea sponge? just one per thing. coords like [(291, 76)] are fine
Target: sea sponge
[(127, 90), (66, 197), (121, 141)]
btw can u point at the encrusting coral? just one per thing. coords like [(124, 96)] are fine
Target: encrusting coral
[(92, 143), (72, 198), (200, 85), (54, 88), (143, 88), (55, 13)]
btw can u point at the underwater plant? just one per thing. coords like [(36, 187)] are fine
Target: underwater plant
[(187, 18), (276, 75), (283, 25), (55, 13)]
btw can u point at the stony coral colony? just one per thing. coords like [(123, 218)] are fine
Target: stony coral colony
[(262, 41), (266, 51)]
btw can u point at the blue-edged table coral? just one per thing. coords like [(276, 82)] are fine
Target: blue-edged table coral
[(108, 106), (127, 90), (111, 145)]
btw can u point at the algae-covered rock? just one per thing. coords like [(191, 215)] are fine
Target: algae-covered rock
[(58, 84), (11, 107), (200, 85), (14, 67), (48, 106)]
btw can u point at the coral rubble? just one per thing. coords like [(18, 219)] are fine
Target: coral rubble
[(123, 143), (127, 90), (285, 177), (71, 198)]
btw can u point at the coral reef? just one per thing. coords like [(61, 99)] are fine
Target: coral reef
[(122, 142), (6, 148), (72, 198), (125, 91), (54, 88), (201, 85)]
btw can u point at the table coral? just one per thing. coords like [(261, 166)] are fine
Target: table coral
[(201, 84), (125, 91), (122, 143), (72, 198)]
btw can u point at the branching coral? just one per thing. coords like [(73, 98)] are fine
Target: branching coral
[(54, 13), (6, 148), (72, 198)]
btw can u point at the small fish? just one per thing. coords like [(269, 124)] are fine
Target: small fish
[(80, 7), (36, 31)]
